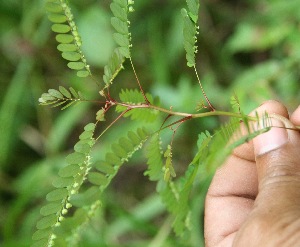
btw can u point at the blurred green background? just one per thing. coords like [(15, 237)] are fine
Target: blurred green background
[(250, 48)]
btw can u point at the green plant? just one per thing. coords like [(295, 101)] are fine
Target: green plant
[(79, 187)]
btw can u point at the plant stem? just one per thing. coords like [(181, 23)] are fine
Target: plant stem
[(183, 114), (138, 81), (203, 92), (112, 123)]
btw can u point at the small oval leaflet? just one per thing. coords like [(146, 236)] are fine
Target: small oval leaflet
[(75, 158), (104, 167), (60, 28), (98, 178), (62, 182), (119, 151), (65, 92), (122, 3), (46, 222), (120, 26), (57, 18), (86, 135), (53, 7), (40, 234), (88, 197), (67, 47), (126, 144), (113, 159), (76, 65), (142, 133), (83, 73), (121, 39), (82, 147), (69, 171), (74, 93), (55, 93), (71, 56), (125, 51), (41, 242), (118, 11), (64, 38), (134, 137), (90, 127), (57, 194), (51, 208)]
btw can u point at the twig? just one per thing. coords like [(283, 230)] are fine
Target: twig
[(203, 92), (138, 81)]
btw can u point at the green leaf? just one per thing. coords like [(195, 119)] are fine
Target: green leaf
[(118, 150), (90, 127), (104, 167), (67, 105), (47, 97), (97, 178), (76, 158), (121, 40), (63, 182), (69, 170), (71, 56), (51, 208), (57, 194), (46, 222), (134, 138), (126, 144), (114, 66), (143, 134), (57, 18), (189, 35), (119, 12), (55, 93), (59, 103), (154, 157), (82, 147), (83, 73), (125, 51), (76, 65), (113, 159), (86, 135), (88, 197), (40, 234), (122, 3), (65, 92), (100, 115), (193, 6), (67, 47), (41, 242), (60, 28), (75, 94), (53, 7), (120, 26), (64, 38)]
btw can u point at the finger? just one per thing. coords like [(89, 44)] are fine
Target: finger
[(278, 164), (234, 187), (295, 117), (276, 209)]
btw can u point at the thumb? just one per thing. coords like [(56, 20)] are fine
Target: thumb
[(277, 154)]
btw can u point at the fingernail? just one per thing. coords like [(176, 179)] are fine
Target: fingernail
[(271, 140)]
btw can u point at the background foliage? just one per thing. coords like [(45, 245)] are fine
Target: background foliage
[(251, 48)]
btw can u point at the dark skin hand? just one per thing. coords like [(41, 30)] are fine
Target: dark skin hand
[(254, 198)]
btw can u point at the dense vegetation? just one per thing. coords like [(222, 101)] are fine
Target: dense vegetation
[(246, 48)]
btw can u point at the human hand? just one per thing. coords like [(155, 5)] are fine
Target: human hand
[(254, 198)]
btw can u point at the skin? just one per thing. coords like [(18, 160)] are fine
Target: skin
[(254, 197)]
